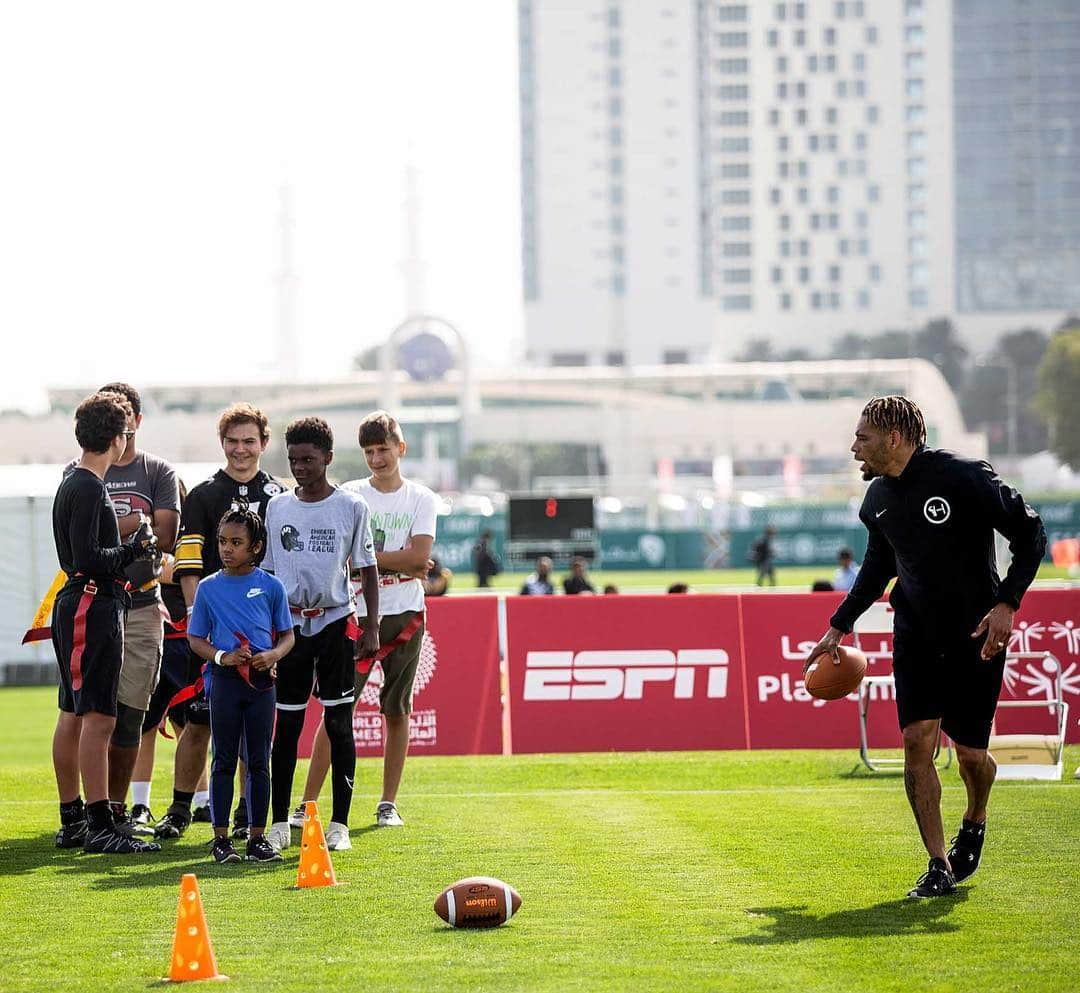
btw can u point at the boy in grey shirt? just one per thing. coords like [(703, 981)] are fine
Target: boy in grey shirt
[(315, 534)]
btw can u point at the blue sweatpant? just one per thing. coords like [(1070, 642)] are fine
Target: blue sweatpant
[(240, 712)]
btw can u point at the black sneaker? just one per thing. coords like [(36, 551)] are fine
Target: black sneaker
[(174, 823), (224, 851), (936, 881), (967, 849), (240, 822), (201, 815), (142, 820), (71, 835), (122, 819), (109, 841), (260, 850)]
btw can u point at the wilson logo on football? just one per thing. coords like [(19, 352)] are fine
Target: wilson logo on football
[(623, 675)]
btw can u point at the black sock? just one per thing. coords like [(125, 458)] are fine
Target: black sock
[(976, 827), (283, 761), (72, 813), (99, 815), (182, 799)]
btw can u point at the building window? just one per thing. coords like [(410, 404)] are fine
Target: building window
[(919, 274), (871, 114), (785, 222), (781, 91), (834, 274), (800, 116), (913, 34), (772, 38), (802, 195), (859, 86), (832, 194), (800, 91), (874, 272), (777, 274), (917, 247), (860, 141), (736, 249), (732, 12), (831, 115), (618, 284), (914, 88), (841, 8), (912, 8), (858, 62), (811, 63), (915, 113), (799, 37), (916, 193), (830, 36), (735, 223), (734, 145), (916, 220), (918, 298), (774, 117), (830, 63), (676, 356), (785, 301), (862, 220), (871, 34), (735, 197), (841, 88), (781, 11), (815, 301), (916, 168), (804, 248), (916, 141), (735, 170), (862, 300), (615, 358), (914, 62), (781, 63), (565, 359), (812, 142), (732, 66), (782, 169), (733, 39), (873, 193), (739, 301), (834, 301), (785, 249), (734, 119), (804, 274)]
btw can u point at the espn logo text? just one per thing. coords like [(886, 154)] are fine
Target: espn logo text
[(623, 675)]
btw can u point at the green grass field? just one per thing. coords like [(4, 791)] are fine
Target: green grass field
[(700, 580), (673, 871)]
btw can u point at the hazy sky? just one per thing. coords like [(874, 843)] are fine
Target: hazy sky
[(145, 145)]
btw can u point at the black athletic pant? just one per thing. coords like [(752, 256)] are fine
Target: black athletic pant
[(239, 711), (338, 721)]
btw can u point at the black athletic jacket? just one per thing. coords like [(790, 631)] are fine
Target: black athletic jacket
[(933, 528)]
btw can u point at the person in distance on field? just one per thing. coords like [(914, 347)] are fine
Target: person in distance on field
[(539, 583), (931, 517), (487, 565), (846, 571), (762, 554), (577, 581), (88, 627)]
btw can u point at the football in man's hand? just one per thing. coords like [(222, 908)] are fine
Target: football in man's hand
[(828, 680), (479, 901)]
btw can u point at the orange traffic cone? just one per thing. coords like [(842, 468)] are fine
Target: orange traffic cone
[(192, 954), (315, 867)]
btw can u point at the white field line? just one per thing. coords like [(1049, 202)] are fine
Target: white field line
[(745, 791)]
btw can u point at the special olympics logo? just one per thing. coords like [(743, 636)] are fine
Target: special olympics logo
[(425, 672), (937, 510)]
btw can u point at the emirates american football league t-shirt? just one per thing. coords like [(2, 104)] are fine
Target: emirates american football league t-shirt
[(310, 547), (395, 518)]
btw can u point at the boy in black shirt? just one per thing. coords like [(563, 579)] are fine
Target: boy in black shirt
[(88, 628)]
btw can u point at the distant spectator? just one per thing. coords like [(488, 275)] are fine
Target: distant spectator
[(539, 583), (821, 586), (484, 561), (761, 554), (437, 580), (847, 571), (577, 582), (611, 588), (678, 588)]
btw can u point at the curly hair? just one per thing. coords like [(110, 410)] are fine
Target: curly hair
[(313, 430), (378, 428), (241, 513), (127, 391), (897, 413), (243, 413), (100, 418)]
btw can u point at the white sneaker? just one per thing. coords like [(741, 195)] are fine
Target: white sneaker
[(337, 837), (279, 835), (387, 816), (296, 818)]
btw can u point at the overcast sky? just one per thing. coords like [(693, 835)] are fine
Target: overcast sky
[(145, 147)]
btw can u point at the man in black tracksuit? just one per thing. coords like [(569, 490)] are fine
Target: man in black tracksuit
[(931, 518)]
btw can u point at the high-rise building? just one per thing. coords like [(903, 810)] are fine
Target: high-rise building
[(1016, 72), (696, 173)]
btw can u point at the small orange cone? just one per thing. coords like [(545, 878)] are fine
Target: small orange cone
[(315, 867), (192, 954)]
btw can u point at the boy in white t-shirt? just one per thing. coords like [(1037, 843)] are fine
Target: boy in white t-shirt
[(403, 525)]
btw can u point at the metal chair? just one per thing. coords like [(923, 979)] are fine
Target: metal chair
[(1034, 756)]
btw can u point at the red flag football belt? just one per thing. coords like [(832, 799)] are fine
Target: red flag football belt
[(404, 636), (192, 691), (78, 634), (307, 611)]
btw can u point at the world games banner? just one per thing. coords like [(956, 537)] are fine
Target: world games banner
[(457, 709)]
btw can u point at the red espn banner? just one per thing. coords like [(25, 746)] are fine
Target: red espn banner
[(457, 708), (674, 672), (625, 673)]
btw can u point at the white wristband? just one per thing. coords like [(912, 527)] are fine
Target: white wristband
[(190, 609), (219, 655)]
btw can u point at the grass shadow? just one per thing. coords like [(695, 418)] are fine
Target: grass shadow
[(790, 925), (26, 855)]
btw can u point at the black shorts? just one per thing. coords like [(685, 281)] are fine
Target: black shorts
[(175, 655), (947, 681), (322, 664), (88, 637)]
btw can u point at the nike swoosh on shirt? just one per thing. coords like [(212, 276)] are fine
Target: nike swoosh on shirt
[(254, 592), (880, 512)]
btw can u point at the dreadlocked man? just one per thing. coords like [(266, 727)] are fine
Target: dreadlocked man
[(931, 518)]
